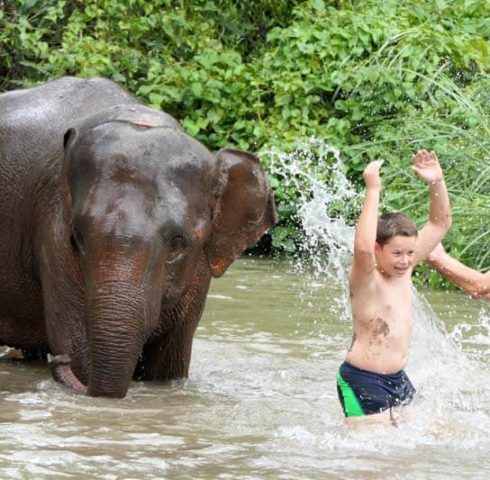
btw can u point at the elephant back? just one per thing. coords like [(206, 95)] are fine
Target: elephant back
[(34, 120), (138, 115)]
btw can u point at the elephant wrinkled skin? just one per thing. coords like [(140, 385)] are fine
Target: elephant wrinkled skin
[(112, 222)]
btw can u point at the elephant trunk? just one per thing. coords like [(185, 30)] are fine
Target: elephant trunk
[(116, 319)]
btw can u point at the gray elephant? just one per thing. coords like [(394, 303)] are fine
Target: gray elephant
[(112, 222)]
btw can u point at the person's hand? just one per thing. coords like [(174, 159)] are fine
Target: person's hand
[(371, 174), (437, 253), (426, 166)]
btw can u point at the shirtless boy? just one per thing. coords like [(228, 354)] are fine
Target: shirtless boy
[(371, 381)]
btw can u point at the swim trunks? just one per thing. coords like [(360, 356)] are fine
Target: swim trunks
[(362, 392)]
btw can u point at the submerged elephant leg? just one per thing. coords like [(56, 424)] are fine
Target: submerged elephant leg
[(60, 367), (29, 354), (167, 357)]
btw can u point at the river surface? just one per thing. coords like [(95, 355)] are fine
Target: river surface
[(261, 399)]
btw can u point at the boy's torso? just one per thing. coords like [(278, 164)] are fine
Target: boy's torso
[(382, 316)]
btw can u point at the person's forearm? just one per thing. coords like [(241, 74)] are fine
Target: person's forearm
[(475, 283), (440, 208), (365, 237)]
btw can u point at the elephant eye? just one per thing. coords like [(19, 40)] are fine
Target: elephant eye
[(176, 246), (177, 243)]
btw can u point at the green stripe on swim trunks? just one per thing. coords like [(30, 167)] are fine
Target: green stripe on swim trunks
[(351, 403)]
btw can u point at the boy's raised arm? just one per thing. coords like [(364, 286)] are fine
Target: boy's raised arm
[(364, 262), (426, 166)]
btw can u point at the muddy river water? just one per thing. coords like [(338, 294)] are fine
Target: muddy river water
[(261, 401)]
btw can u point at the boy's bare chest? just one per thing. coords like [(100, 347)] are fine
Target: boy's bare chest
[(395, 301), (390, 303)]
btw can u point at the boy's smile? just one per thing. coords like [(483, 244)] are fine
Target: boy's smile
[(396, 257)]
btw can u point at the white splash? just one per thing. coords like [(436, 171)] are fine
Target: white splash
[(440, 367), (317, 174)]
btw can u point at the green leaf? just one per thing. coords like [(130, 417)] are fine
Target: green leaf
[(191, 126), (156, 99), (318, 5)]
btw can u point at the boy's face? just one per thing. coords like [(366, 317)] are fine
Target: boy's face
[(396, 257)]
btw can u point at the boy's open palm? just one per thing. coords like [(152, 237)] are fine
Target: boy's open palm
[(426, 166)]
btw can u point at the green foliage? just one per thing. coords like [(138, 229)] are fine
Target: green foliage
[(374, 79)]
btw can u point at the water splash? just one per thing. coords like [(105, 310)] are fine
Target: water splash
[(474, 338), (316, 173), (326, 199), (440, 365)]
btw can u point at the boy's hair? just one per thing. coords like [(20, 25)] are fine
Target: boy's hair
[(392, 224)]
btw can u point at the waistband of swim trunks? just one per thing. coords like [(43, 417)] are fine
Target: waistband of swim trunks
[(393, 375)]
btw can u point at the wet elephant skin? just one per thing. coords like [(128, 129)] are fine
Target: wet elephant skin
[(112, 223)]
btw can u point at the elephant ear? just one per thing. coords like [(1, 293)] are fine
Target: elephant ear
[(245, 208), (69, 135), (68, 139)]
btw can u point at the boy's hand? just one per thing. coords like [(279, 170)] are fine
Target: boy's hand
[(426, 166), (371, 174)]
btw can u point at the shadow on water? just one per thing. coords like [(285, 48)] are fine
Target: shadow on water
[(261, 398)]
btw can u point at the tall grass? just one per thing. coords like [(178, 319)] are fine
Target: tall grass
[(454, 123)]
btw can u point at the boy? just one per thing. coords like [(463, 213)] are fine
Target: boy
[(371, 381), (477, 284)]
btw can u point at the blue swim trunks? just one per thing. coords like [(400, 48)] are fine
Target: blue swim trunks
[(362, 392)]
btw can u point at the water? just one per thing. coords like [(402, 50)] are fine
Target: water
[(261, 400)]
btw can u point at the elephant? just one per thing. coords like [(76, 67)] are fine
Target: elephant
[(113, 220)]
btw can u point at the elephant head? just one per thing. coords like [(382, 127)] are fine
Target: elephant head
[(150, 215)]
